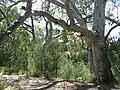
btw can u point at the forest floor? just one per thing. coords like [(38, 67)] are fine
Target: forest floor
[(22, 82)]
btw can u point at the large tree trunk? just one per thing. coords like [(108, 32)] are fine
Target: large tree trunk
[(101, 64)]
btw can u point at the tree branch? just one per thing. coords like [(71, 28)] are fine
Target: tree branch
[(49, 27), (26, 29), (80, 29), (2, 13), (15, 3), (5, 17), (111, 30), (19, 22), (112, 20), (108, 18), (32, 28), (78, 16), (56, 3), (74, 10), (55, 82), (62, 23), (56, 36), (69, 11), (9, 8)]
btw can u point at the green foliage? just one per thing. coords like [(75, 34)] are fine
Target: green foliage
[(46, 57), (114, 56), (20, 54), (73, 63), (15, 54), (78, 71), (55, 59)]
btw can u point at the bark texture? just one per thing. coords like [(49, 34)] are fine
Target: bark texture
[(101, 64)]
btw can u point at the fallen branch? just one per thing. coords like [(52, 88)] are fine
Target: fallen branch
[(56, 82)]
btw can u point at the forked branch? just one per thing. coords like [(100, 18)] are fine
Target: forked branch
[(80, 29)]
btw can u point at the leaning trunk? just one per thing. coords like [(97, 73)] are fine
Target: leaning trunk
[(101, 64)]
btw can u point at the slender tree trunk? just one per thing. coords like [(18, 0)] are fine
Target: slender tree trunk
[(101, 64)]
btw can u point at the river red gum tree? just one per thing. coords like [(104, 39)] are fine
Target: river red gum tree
[(96, 40), (100, 61)]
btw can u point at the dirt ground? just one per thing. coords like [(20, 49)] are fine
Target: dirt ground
[(22, 82)]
